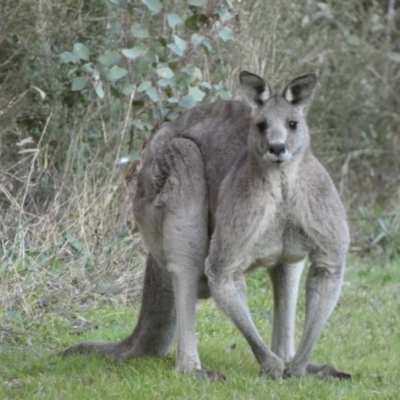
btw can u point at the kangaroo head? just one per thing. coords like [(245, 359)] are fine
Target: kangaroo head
[(278, 130)]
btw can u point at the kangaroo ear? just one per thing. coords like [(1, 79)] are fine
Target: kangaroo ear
[(254, 88), (299, 92)]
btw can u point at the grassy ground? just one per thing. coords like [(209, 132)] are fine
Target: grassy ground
[(362, 337)]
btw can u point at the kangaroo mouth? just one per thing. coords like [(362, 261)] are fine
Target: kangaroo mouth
[(277, 160)]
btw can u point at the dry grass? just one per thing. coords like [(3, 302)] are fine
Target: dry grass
[(68, 240)]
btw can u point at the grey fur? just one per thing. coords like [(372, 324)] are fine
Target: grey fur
[(223, 189)]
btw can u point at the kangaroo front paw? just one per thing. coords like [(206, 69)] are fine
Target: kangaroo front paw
[(211, 375)]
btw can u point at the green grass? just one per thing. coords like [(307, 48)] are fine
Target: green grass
[(362, 337)]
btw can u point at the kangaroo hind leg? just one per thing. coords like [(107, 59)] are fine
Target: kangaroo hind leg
[(185, 244)]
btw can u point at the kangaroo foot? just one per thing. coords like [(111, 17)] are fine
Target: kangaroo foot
[(211, 375), (326, 371), (114, 350)]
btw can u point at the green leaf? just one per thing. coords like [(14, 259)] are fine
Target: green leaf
[(140, 31), (166, 82), (224, 93), (81, 51), (180, 43), (187, 101), (151, 57), (153, 5), (395, 57), (68, 57), (77, 245), (109, 58), (115, 92), (87, 68), (72, 70), (144, 86), (134, 52), (196, 93), (162, 41), (152, 93), (116, 107), (165, 72), (116, 2), (173, 100), (207, 46), (128, 89), (175, 49), (196, 3), (195, 22), (226, 34), (197, 40), (173, 20), (79, 83), (206, 85), (99, 89), (117, 73), (353, 40)]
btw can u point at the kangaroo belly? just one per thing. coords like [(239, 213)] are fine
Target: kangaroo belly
[(288, 245)]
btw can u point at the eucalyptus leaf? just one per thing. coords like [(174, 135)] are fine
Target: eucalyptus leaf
[(165, 72), (134, 52), (140, 31), (187, 101), (81, 51), (79, 83), (128, 89), (116, 106), (395, 57), (72, 70), (180, 43), (88, 68), (195, 22), (175, 49), (144, 86), (99, 89), (153, 5), (152, 93), (166, 82), (117, 72), (68, 57), (207, 45), (109, 58), (196, 3), (197, 40), (196, 93), (226, 34), (173, 20), (173, 100), (224, 94)]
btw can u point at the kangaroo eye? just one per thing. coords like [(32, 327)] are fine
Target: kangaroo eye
[(261, 126), (293, 125)]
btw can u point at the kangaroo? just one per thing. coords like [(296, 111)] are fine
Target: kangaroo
[(223, 189)]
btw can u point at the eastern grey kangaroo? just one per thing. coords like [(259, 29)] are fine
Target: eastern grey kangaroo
[(223, 189)]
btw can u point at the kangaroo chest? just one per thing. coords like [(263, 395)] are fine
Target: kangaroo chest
[(281, 238)]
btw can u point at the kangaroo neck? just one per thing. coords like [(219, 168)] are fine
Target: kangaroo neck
[(282, 178)]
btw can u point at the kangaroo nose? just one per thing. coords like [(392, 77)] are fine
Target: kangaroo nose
[(277, 148)]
